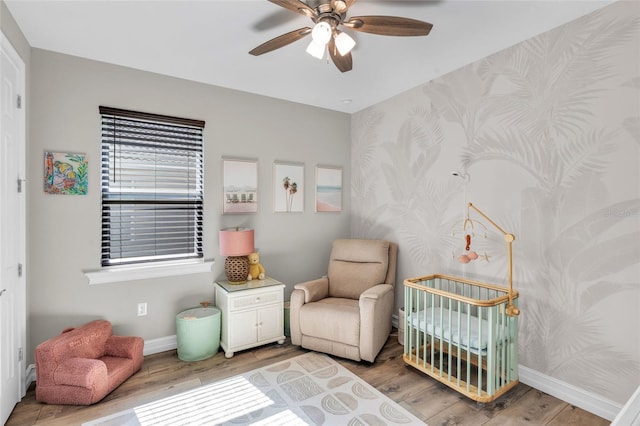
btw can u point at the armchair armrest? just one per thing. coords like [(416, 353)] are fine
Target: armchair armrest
[(314, 290), (83, 372), (124, 346), (376, 308), (307, 292), (376, 292)]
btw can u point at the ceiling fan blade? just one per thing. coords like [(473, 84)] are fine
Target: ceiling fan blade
[(296, 6), (343, 63), (341, 6), (281, 41), (389, 25)]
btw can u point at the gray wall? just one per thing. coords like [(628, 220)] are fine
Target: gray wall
[(65, 230), (14, 34), (549, 132)]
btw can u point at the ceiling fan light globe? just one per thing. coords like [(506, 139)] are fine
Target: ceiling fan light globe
[(316, 49), (344, 43), (321, 33)]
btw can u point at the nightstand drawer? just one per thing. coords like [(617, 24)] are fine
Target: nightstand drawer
[(256, 300)]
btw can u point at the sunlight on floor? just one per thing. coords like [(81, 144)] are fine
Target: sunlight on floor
[(213, 404)]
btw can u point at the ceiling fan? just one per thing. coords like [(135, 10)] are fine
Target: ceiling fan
[(328, 16)]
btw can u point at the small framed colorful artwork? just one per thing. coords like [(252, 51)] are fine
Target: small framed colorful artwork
[(65, 173)]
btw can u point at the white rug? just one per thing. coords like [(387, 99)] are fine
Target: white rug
[(310, 389)]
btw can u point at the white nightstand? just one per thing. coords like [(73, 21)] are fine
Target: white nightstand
[(252, 314)]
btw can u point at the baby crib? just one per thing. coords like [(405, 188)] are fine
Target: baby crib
[(458, 332)]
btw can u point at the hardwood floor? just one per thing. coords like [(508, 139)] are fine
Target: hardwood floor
[(164, 374)]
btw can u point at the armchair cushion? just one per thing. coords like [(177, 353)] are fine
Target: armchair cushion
[(356, 265), (332, 319)]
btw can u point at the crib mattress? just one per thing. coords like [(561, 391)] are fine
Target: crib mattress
[(443, 323)]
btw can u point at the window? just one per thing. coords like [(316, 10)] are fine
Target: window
[(152, 187)]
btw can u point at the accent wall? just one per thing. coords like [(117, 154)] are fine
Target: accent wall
[(545, 137)]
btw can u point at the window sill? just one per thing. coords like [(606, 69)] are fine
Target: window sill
[(130, 273)]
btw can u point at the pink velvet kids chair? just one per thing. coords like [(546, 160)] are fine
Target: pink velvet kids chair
[(83, 365)]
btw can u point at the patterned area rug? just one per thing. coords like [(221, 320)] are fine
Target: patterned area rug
[(310, 389)]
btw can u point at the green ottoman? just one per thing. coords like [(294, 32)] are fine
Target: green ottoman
[(198, 333)]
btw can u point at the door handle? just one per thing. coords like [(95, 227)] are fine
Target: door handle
[(2, 291)]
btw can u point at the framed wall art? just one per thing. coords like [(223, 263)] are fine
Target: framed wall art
[(240, 186), (328, 189), (65, 173), (288, 187)]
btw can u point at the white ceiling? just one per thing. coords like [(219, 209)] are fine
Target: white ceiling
[(208, 41)]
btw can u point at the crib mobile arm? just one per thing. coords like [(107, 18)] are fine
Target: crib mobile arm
[(511, 310)]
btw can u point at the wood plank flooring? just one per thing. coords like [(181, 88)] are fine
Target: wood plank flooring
[(164, 374)]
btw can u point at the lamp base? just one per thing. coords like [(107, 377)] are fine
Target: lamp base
[(237, 269)]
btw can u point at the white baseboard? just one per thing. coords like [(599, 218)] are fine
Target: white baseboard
[(29, 376), (161, 344), (630, 413), (589, 401)]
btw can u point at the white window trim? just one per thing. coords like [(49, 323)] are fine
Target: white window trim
[(118, 274)]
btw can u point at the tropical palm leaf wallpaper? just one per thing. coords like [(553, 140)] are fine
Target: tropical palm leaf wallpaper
[(548, 132)]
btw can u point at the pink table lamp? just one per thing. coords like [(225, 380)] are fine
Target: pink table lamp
[(236, 244)]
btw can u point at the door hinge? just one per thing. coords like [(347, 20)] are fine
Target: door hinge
[(19, 102), (20, 354), (19, 185), (19, 269)]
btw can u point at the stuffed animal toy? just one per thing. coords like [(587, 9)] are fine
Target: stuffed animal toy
[(256, 271)]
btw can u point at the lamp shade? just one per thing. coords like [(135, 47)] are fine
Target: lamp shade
[(344, 43), (236, 242), (321, 33), (316, 49)]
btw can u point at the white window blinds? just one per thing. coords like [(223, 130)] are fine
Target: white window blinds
[(152, 187)]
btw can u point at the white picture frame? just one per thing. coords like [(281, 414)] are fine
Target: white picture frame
[(288, 187), (239, 186), (328, 189)]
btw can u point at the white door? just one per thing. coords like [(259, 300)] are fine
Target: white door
[(12, 229)]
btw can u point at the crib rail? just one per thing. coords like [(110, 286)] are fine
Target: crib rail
[(458, 332)]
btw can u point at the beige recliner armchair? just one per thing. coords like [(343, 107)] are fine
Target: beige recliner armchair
[(348, 312)]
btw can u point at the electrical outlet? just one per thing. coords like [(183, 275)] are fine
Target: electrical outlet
[(142, 309)]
